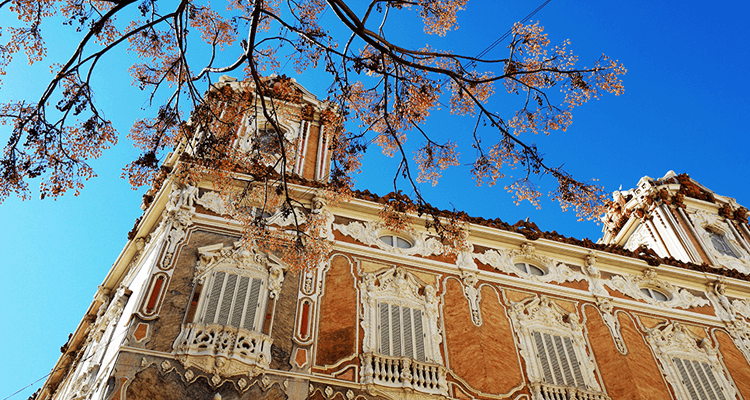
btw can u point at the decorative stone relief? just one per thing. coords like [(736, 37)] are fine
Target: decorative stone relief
[(631, 285), (179, 217), (704, 223), (674, 342), (596, 287), (640, 237), (741, 307), (722, 306), (540, 314), (242, 259), (398, 287), (472, 295), (505, 260), (610, 319), (739, 331), (213, 201), (369, 233)]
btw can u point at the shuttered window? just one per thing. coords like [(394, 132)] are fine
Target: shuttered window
[(699, 379), (401, 331), (558, 360), (233, 300)]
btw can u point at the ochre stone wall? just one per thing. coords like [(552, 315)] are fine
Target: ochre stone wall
[(736, 363), (338, 314), (177, 297), (485, 357), (631, 376)]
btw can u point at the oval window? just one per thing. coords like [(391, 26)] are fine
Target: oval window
[(529, 269), (654, 294), (396, 241)]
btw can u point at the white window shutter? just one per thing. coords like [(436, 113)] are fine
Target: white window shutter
[(253, 304), (213, 298), (385, 326), (419, 335), (226, 299)]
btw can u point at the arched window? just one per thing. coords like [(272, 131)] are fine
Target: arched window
[(396, 241), (654, 294), (530, 269), (721, 244)]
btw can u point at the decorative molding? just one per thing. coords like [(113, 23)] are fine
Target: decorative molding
[(631, 285), (674, 341), (242, 261), (613, 324), (179, 216), (716, 294), (742, 307), (739, 331), (472, 294), (369, 233), (223, 350), (540, 314), (705, 221), (596, 287), (212, 201), (505, 262), (398, 287)]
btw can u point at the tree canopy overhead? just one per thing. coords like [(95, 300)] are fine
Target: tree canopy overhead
[(382, 90)]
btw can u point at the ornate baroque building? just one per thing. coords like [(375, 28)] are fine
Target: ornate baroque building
[(657, 309)]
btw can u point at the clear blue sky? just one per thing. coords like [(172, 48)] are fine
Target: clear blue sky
[(685, 108)]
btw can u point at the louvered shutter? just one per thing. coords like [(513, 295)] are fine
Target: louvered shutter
[(401, 331), (557, 359), (213, 298), (698, 379), (233, 300), (253, 304), (418, 334)]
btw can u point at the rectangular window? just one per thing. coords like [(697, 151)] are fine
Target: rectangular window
[(558, 360), (699, 379), (233, 300), (401, 332)]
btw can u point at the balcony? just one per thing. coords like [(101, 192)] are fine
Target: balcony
[(223, 349), (543, 391), (404, 372)]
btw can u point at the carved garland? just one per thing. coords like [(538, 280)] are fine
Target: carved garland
[(369, 233), (631, 286), (505, 261)]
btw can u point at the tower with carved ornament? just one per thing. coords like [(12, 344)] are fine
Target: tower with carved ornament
[(657, 309)]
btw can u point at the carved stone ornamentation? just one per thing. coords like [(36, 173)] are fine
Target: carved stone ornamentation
[(739, 331), (223, 350), (212, 201), (398, 287), (678, 349), (243, 261), (631, 286), (610, 319), (179, 216), (708, 224), (722, 306), (553, 271), (369, 233), (472, 295), (537, 318), (741, 307), (596, 286)]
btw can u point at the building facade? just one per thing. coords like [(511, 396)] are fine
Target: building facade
[(657, 309)]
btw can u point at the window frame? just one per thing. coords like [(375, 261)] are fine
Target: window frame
[(543, 316), (395, 240), (673, 341)]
